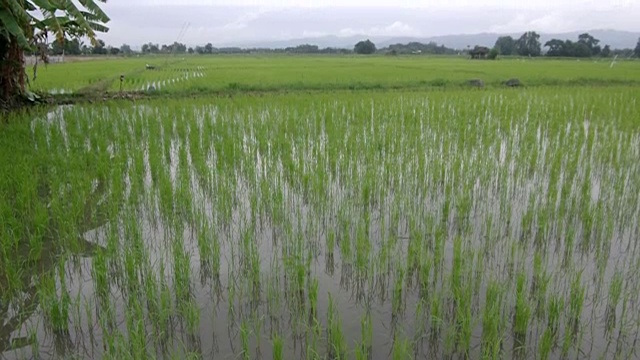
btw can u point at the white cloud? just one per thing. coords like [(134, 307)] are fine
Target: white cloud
[(556, 21), (397, 28), (244, 20), (314, 34)]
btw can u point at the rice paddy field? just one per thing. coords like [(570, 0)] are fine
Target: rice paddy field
[(203, 74), (416, 223)]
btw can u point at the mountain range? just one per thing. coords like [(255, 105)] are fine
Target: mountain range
[(616, 39)]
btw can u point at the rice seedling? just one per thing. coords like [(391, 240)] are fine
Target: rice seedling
[(456, 217)]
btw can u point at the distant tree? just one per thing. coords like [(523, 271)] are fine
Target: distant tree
[(114, 50), (636, 51), (208, 49), (365, 47), (591, 42), (606, 51), (493, 54), (505, 45), (99, 48), (126, 49), (415, 47), (625, 53), (580, 49), (150, 48), (66, 47), (179, 48), (556, 47), (303, 49), (529, 44), (190, 50)]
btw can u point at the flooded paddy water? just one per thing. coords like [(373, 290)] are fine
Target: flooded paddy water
[(440, 225)]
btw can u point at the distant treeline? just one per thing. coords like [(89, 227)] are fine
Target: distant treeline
[(586, 46), (527, 45), (419, 48)]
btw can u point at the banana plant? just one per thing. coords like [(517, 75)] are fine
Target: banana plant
[(25, 25)]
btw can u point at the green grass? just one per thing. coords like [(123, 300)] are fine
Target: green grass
[(415, 224)]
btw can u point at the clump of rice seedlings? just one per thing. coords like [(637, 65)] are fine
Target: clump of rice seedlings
[(615, 291), (522, 314), (313, 301), (401, 349), (539, 286), (364, 348), (397, 300), (244, 340), (278, 347), (576, 302), (492, 322), (336, 344), (424, 276)]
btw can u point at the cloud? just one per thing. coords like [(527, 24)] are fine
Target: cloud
[(556, 21), (397, 28), (244, 20), (314, 34)]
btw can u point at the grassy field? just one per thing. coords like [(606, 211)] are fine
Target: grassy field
[(327, 224), (271, 73)]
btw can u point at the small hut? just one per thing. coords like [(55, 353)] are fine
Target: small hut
[(479, 52)]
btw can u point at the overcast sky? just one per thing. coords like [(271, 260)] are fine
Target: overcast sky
[(226, 22)]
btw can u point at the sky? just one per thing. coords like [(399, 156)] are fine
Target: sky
[(245, 22)]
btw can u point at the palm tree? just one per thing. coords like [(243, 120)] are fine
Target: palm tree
[(25, 25)]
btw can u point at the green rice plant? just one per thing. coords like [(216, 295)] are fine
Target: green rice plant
[(539, 286), (401, 350), (397, 300), (522, 315), (244, 340), (615, 291), (364, 348), (278, 348), (576, 303), (336, 344), (492, 322)]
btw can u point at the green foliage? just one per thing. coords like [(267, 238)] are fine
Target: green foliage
[(528, 44), (586, 46), (505, 45), (365, 47), (493, 54)]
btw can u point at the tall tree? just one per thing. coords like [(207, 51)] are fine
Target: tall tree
[(505, 45), (99, 48), (636, 51), (590, 42), (365, 47), (529, 44), (556, 47), (125, 49), (25, 24)]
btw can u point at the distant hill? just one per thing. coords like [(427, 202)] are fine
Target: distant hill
[(614, 38)]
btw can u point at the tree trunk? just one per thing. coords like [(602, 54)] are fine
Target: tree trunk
[(11, 71)]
